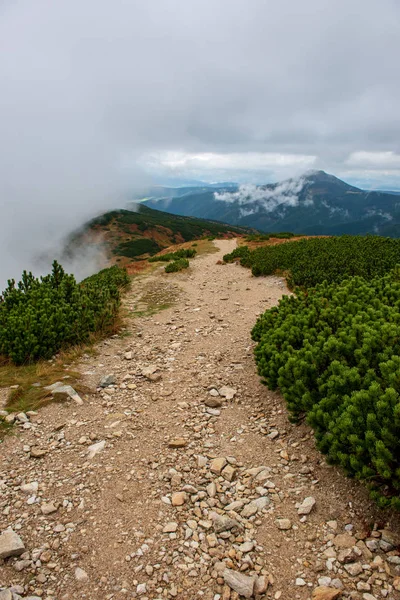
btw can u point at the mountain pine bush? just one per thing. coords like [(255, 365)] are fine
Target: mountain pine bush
[(177, 265), (40, 316), (311, 261), (182, 253), (334, 352)]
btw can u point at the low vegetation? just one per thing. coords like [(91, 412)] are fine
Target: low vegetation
[(177, 265), (310, 261), (136, 234), (137, 247), (264, 237), (333, 349), (41, 316), (182, 253)]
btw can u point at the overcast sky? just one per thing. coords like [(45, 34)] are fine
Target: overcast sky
[(103, 96)]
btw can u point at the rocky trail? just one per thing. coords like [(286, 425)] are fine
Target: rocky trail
[(180, 476)]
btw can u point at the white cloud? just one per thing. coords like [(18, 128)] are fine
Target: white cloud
[(260, 167), (269, 199), (382, 161)]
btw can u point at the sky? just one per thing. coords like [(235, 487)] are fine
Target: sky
[(102, 98)]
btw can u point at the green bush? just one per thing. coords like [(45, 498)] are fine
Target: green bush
[(182, 253), (39, 317), (177, 265), (137, 247), (334, 352), (311, 261)]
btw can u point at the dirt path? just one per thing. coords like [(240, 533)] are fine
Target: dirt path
[(144, 519)]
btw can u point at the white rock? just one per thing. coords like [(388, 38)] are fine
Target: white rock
[(30, 488), (96, 448), (227, 392), (64, 391), (81, 575), (306, 506)]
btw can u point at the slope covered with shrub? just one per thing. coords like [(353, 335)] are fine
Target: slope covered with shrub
[(40, 316), (333, 349), (181, 253), (145, 231), (334, 352), (311, 261)]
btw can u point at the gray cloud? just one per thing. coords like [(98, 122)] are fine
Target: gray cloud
[(89, 89)]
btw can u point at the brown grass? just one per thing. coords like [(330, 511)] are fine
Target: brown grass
[(28, 396)]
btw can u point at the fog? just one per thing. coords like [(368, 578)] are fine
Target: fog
[(97, 96)]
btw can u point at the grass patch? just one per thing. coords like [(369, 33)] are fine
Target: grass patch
[(31, 397)]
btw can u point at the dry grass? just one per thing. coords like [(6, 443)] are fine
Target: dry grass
[(33, 378)]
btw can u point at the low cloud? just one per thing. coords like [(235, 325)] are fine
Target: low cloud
[(252, 198)]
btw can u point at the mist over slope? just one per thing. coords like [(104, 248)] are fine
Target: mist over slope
[(315, 203)]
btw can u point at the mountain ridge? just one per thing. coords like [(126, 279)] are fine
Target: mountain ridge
[(315, 203)]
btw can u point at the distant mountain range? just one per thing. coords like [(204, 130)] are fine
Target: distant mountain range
[(317, 203)]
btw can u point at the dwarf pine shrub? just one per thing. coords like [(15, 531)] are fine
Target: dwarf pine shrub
[(40, 316)]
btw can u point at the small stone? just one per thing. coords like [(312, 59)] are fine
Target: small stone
[(151, 373), (10, 544), (30, 488), (48, 508), (344, 540), (246, 547), (217, 464), (95, 449), (300, 582), (213, 402), (211, 489), (66, 392), (283, 524), (307, 505), (37, 452), (223, 523), (107, 380), (128, 355), (261, 585), (178, 443), (6, 595), (227, 392), (141, 589), (228, 473), (353, 569), (81, 575), (240, 583), (178, 498), (170, 527), (324, 592), (21, 417)]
